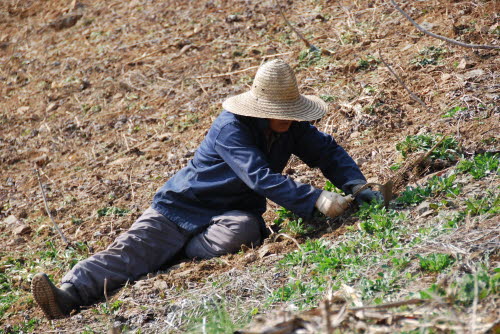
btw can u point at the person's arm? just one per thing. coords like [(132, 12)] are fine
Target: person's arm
[(320, 150), (236, 145)]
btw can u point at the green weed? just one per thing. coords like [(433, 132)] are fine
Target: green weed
[(455, 220), (463, 290), (26, 327), (385, 282), (435, 186), (447, 150), (317, 264), (309, 57), (480, 166), (453, 111), (290, 223), (112, 211), (328, 98), (370, 63), (435, 262), (330, 187), (104, 308), (489, 204), (395, 166), (214, 318), (298, 291), (438, 185), (429, 56)]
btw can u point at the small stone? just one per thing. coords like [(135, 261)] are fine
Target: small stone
[(423, 207), (355, 134), (16, 241), (361, 161), (51, 107), (160, 285), (41, 160), (250, 257), (427, 26), (22, 110), (234, 18), (10, 220), (445, 76), (473, 74), (22, 229)]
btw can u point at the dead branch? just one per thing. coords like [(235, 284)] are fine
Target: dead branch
[(398, 178), (306, 42), (226, 74), (414, 301), (47, 208), (446, 39), (401, 82)]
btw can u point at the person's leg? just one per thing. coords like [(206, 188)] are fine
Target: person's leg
[(150, 242), (226, 234)]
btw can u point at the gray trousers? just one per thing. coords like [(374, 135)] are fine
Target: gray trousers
[(152, 242)]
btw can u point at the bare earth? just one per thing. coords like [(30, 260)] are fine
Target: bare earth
[(108, 99)]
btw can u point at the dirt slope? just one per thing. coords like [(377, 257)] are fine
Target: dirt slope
[(109, 99)]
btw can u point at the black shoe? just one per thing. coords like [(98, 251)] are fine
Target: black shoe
[(55, 303)]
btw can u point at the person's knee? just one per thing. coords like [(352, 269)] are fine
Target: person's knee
[(226, 235), (242, 227)]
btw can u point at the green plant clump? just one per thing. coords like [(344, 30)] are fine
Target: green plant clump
[(112, 211), (453, 111), (429, 56), (489, 204), (317, 264), (436, 185), (330, 187), (435, 262), (311, 57), (291, 224), (448, 149), (463, 291), (481, 165)]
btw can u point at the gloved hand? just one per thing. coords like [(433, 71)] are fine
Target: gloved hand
[(367, 195), (364, 196), (332, 204)]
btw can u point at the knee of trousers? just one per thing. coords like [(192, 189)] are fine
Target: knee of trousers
[(227, 234)]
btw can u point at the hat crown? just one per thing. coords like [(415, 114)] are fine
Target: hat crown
[(275, 81)]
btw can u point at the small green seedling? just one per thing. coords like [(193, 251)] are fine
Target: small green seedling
[(435, 262), (453, 111), (112, 211), (481, 165), (448, 149)]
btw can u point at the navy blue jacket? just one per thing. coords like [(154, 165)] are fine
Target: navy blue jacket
[(237, 168)]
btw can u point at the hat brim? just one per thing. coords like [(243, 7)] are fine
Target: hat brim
[(305, 108)]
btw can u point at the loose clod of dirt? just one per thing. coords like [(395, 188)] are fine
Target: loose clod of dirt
[(108, 99)]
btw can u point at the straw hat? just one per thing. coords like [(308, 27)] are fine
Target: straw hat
[(275, 94)]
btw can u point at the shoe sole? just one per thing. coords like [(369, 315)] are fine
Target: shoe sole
[(45, 297)]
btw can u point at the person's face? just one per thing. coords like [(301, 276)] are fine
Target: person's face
[(279, 125)]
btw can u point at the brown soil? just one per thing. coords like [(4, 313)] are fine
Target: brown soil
[(110, 99)]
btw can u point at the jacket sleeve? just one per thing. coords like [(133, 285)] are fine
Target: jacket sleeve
[(236, 145), (320, 150)]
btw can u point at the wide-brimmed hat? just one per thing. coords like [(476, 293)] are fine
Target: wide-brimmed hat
[(275, 94)]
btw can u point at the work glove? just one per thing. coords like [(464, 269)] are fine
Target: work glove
[(364, 196), (332, 204)]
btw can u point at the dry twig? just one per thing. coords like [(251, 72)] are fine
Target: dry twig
[(415, 97), (226, 74), (48, 210), (410, 165), (446, 39), (306, 42)]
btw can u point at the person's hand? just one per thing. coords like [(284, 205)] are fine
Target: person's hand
[(332, 204), (367, 195)]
